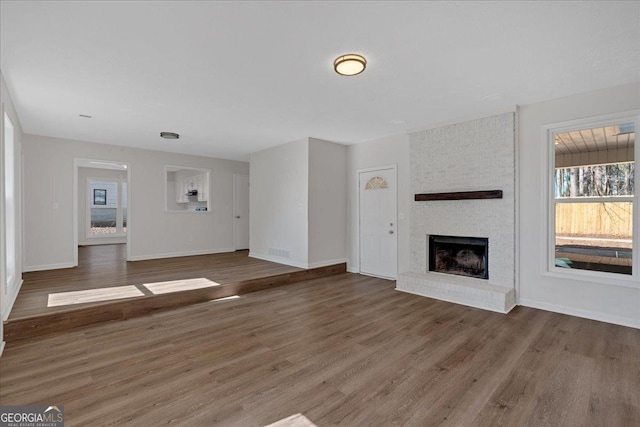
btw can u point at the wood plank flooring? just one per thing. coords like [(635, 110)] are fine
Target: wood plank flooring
[(105, 266), (342, 350), (76, 303)]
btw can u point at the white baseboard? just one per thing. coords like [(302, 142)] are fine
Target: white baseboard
[(12, 300), (292, 263), (327, 263), (43, 267), (179, 254), (601, 317), (279, 260), (393, 279), (353, 270), (103, 242)]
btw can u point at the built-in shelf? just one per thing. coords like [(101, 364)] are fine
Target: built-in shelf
[(459, 195)]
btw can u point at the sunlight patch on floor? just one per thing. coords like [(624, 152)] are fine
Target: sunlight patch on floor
[(232, 297), (297, 420), (159, 288), (93, 295)]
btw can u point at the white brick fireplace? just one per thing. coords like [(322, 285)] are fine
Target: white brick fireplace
[(478, 155)]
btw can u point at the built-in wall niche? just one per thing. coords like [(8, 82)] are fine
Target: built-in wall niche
[(187, 189)]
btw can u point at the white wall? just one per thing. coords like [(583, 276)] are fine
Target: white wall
[(8, 295), (392, 150), (298, 203), (610, 303), (154, 233), (83, 174), (279, 204), (327, 203)]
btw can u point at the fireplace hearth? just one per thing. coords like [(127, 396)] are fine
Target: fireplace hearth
[(462, 256)]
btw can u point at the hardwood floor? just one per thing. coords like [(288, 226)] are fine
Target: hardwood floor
[(104, 287), (343, 350), (105, 266)]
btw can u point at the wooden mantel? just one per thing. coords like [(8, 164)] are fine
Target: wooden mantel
[(459, 195)]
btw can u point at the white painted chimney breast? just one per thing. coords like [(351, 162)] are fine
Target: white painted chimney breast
[(471, 156)]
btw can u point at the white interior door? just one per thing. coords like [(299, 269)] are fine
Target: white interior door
[(241, 211), (378, 223)]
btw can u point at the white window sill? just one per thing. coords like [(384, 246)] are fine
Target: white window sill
[(106, 236), (613, 279), (189, 212)]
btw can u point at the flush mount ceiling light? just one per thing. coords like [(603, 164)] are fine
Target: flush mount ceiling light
[(350, 64), (169, 135)]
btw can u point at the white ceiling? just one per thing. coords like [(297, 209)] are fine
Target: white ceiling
[(236, 77)]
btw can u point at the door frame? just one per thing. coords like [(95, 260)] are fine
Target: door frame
[(79, 162), (395, 175), (235, 179)]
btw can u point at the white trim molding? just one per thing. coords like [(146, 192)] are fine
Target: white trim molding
[(292, 263), (279, 260), (181, 254), (548, 236), (326, 263), (30, 268), (12, 299), (586, 314)]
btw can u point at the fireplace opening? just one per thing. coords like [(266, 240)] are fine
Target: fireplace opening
[(464, 256)]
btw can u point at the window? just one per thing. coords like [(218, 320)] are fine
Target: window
[(107, 207), (376, 183), (593, 197), (9, 202)]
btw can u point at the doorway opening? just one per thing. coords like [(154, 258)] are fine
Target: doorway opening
[(101, 211)]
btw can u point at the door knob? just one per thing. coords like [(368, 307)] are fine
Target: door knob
[(390, 231)]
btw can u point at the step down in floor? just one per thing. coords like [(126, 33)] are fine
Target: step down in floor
[(60, 321)]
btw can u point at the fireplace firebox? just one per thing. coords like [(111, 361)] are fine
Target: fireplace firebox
[(463, 256)]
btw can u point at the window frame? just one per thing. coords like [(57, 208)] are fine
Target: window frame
[(9, 204), (549, 234), (119, 210)]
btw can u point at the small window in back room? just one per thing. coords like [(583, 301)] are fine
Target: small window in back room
[(593, 200)]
